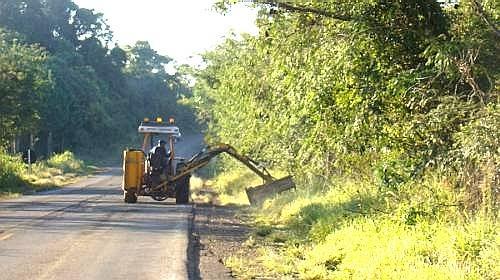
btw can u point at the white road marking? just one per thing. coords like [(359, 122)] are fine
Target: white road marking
[(6, 236)]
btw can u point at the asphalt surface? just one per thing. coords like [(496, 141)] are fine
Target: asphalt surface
[(85, 231)]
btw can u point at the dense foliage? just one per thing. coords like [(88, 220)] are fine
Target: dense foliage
[(394, 88), (24, 75), (388, 115), (59, 75)]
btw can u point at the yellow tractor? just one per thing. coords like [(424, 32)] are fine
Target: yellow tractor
[(153, 171)]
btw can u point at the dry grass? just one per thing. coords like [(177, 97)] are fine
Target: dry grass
[(61, 169)]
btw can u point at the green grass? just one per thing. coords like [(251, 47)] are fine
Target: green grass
[(354, 229), (11, 169), (231, 186), (16, 178)]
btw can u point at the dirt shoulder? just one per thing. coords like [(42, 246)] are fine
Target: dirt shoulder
[(218, 232)]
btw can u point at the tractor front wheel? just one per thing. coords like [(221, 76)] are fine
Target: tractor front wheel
[(129, 197), (182, 190)]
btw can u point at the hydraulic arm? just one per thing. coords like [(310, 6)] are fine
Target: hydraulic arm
[(256, 194), (203, 158)]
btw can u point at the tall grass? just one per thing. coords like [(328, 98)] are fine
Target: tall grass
[(11, 169), (355, 229), (67, 162), (17, 178)]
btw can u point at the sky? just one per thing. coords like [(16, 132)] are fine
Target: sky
[(180, 29)]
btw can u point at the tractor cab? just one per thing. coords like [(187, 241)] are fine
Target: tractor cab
[(157, 131), (157, 163), (154, 130)]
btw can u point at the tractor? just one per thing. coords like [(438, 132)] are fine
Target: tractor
[(144, 174)]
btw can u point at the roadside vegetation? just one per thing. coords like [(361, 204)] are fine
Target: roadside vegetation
[(60, 169), (387, 113), (63, 81), (64, 86), (350, 228)]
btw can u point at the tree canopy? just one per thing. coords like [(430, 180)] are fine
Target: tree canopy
[(60, 74), (336, 86)]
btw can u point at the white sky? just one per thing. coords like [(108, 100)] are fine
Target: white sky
[(180, 29)]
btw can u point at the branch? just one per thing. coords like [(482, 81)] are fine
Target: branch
[(482, 14), (302, 9)]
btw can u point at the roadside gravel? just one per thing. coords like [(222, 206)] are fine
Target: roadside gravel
[(217, 233)]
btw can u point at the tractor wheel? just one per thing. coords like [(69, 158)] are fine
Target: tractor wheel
[(182, 190), (129, 197)]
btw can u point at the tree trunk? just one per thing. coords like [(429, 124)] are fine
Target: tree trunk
[(49, 144)]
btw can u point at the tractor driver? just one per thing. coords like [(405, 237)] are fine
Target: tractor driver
[(160, 157)]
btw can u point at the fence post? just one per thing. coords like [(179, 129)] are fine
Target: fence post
[(29, 160), (49, 144)]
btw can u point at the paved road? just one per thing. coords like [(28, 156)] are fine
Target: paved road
[(86, 232)]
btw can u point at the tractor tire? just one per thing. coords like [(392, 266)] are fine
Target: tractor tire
[(129, 197), (182, 190)]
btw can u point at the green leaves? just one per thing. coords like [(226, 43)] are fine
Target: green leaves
[(145, 61), (67, 82), (320, 95), (24, 78)]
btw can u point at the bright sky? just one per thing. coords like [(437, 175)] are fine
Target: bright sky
[(181, 29)]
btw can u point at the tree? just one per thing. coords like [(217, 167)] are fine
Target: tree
[(24, 78), (334, 84), (146, 61), (95, 95)]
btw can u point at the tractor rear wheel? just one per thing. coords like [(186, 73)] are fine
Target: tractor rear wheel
[(129, 197), (182, 190)]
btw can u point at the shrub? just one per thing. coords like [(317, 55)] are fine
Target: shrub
[(67, 162), (10, 169), (58, 170)]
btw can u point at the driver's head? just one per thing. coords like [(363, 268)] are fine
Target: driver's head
[(162, 143)]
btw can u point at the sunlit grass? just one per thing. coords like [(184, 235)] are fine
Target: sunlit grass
[(197, 190), (353, 229), (231, 186), (17, 178)]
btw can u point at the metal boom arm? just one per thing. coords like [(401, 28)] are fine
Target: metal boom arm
[(203, 158)]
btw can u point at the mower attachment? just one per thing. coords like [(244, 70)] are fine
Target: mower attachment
[(257, 195)]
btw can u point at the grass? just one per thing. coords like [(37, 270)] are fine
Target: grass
[(229, 186), (354, 229), (61, 169)]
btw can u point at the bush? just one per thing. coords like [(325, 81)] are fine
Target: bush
[(67, 162), (11, 168), (475, 161), (58, 170)]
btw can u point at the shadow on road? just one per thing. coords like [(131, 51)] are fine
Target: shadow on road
[(98, 209)]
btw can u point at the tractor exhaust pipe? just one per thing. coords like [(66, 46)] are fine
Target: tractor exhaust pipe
[(257, 195)]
